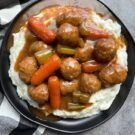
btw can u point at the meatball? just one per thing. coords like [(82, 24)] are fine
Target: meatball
[(24, 77), (37, 46), (39, 93), (67, 87), (70, 68), (105, 50), (84, 54), (89, 83), (68, 35), (112, 74), (72, 17), (27, 67)]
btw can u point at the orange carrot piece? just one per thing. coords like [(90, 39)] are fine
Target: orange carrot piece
[(54, 92), (91, 66), (46, 70), (97, 33), (40, 30)]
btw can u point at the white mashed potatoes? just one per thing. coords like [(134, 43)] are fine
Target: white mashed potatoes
[(101, 100), (18, 44)]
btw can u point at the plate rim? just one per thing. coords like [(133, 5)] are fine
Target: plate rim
[(11, 25)]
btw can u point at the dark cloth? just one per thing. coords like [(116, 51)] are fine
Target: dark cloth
[(12, 123)]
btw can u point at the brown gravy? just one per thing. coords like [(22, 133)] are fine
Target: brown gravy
[(41, 113), (29, 40)]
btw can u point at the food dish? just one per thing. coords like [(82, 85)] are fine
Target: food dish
[(83, 53), (69, 126)]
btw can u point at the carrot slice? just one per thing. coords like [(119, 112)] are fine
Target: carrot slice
[(97, 33), (91, 66), (41, 30), (46, 70), (54, 92), (90, 30)]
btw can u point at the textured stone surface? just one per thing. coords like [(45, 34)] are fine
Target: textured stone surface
[(123, 123)]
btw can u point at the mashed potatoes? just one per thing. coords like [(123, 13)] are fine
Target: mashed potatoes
[(101, 100), (18, 44)]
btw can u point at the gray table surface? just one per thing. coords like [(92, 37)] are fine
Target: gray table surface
[(123, 123)]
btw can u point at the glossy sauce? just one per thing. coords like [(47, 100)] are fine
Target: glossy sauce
[(45, 112), (68, 99), (42, 113), (30, 38)]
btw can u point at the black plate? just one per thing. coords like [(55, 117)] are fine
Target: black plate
[(65, 125)]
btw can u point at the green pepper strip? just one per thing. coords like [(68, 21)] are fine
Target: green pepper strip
[(73, 106), (81, 42), (65, 50), (79, 97), (43, 56)]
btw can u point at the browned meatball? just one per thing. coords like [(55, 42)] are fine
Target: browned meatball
[(70, 68), (24, 77), (67, 87), (112, 74), (105, 50), (85, 53), (39, 94), (68, 34), (89, 83), (37, 46), (72, 17), (27, 67)]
